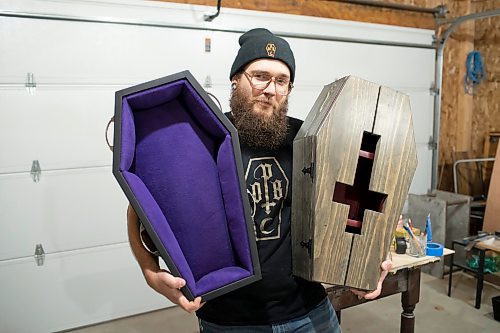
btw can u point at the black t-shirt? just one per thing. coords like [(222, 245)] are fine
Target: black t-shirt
[(279, 296)]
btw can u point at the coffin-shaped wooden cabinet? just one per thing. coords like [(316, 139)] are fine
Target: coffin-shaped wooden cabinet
[(354, 160), (178, 160)]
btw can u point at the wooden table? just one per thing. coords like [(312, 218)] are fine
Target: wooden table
[(491, 244), (404, 279)]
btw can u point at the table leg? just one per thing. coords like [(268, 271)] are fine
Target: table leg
[(451, 270), (409, 299), (480, 277)]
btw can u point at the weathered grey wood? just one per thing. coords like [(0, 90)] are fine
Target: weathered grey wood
[(394, 165), (302, 213), (343, 112), (339, 140)]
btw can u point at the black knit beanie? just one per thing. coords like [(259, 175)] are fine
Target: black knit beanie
[(261, 43)]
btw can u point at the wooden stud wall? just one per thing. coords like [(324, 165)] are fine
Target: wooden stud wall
[(456, 105), (486, 115)]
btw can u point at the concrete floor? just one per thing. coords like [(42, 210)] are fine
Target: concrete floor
[(435, 313)]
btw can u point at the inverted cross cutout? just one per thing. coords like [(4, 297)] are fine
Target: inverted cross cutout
[(358, 196)]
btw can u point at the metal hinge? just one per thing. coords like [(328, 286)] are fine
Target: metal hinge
[(431, 144), (433, 90), (309, 170), (39, 255), (36, 171), (208, 82), (442, 11), (30, 83), (307, 245)]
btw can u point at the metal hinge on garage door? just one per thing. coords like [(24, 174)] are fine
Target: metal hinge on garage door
[(39, 255)]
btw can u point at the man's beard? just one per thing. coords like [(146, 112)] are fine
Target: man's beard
[(255, 130)]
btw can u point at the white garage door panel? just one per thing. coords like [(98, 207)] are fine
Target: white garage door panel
[(421, 103), (61, 128), (323, 62), (422, 179), (94, 53), (65, 210), (73, 289)]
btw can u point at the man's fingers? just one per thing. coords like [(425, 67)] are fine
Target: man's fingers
[(187, 305), (171, 281), (387, 265)]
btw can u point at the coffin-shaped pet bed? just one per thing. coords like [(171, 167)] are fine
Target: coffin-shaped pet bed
[(177, 158)]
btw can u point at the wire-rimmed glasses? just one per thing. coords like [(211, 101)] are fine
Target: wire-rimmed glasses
[(261, 80)]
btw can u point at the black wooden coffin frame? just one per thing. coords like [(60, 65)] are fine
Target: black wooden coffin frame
[(170, 261)]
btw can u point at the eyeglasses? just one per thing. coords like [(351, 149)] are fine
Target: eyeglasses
[(261, 80)]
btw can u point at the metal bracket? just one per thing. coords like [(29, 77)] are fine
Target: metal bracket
[(309, 170), (211, 17), (431, 144), (307, 245), (433, 89), (36, 171), (441, 11), (39, 255), (30, 83), (208, 82)]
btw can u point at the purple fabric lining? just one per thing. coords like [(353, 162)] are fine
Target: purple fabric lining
[(161, 226), (186, 181), (202, 113), (128, 137), (233, 204), (143, 100), (220, 278)]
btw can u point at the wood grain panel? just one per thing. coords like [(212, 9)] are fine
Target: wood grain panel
[(492, 213), (339, 141), (320, 109), (302, 212), (394, 165), (345, 115)]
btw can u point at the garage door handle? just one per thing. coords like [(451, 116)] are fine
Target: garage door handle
[(112, 120)]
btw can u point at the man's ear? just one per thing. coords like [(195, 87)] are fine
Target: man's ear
[(233, 85)]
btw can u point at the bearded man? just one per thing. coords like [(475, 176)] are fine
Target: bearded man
[(262, 77)]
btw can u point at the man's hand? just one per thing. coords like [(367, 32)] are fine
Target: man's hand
[(166, 284), (158, 279), (386, 267)]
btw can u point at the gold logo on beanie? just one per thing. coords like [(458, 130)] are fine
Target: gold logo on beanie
[(271, 49)]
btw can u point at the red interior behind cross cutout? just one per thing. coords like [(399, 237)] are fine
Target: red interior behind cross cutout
[(358, 196)]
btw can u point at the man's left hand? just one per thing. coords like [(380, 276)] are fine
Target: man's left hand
[(386, 267)]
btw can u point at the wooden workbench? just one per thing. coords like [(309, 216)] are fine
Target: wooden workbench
[(404, 279)]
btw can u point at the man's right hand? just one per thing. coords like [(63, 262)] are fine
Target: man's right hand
[(158, 279)]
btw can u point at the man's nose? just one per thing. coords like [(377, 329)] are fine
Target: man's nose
[(271, 88)]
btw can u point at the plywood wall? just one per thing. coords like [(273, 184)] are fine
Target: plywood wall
[(486, 115), (465, 119)]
